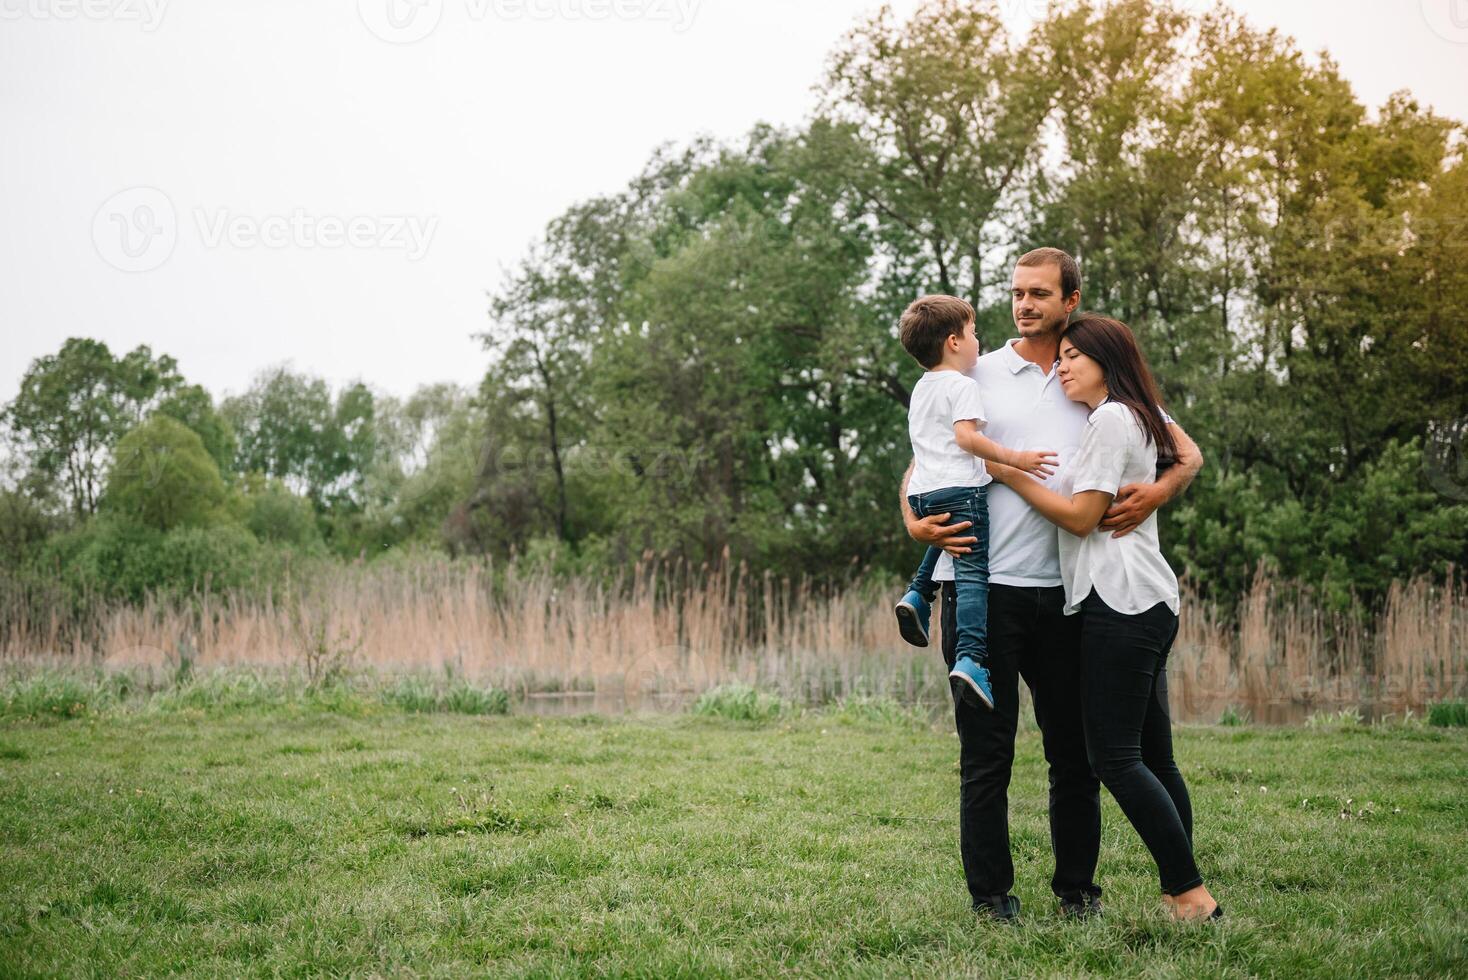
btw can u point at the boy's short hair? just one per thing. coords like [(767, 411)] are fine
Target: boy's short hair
[(928, 322)]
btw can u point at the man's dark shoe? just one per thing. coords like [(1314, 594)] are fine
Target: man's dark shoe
[(1081, 906), (1001, 908)]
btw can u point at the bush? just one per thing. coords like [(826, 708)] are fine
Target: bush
[(225, 689), (419, 695), (1233, 718), (1345, 718), (121, 559), (741, 703), (53, 694), (273, 513), (1448, 714)]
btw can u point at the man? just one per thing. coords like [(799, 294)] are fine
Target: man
[(1028, 634)]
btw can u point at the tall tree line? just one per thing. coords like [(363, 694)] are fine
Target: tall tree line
[(706, 361), (704, 365)]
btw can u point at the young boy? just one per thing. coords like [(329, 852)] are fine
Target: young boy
[(944, 417)]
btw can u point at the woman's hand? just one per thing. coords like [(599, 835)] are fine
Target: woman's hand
[(1004, 474)]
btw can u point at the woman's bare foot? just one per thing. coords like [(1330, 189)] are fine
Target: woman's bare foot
[(1193, 904)]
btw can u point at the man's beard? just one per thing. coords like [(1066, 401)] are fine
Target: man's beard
[(1045, 328)]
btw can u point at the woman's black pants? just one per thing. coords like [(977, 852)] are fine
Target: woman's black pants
[(1129, 731)]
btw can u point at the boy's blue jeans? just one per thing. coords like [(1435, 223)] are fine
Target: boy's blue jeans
[(970, 571)]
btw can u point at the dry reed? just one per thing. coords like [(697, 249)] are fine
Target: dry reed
[(670, 628)]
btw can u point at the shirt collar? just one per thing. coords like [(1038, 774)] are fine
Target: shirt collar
[(1017, 363)]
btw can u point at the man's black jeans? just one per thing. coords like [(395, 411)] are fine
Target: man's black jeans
[(1129, 731), (1029, 637)]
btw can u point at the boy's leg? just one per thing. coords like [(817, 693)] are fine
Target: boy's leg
[(914, 609), (971, 580), (922, 580)]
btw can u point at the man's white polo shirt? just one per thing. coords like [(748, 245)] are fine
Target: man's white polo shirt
[(1027, 409)]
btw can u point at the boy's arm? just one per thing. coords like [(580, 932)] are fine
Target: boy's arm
[(930, 529), (1136, 502), (971, 440), (966, 433)]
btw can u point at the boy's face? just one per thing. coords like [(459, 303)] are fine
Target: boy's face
[(965, 347)]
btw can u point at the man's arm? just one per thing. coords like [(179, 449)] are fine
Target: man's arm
[(930, 529), (1135, 502)]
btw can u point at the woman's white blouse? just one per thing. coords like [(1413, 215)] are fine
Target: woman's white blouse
[(1128, 573)]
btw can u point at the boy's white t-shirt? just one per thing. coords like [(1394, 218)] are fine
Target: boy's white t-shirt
[(939, 399), (1129, 573)]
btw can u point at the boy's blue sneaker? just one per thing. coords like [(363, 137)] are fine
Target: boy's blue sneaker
[(974, 679), (912, 619)]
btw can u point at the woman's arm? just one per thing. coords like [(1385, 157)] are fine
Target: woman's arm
[(1079, 514)]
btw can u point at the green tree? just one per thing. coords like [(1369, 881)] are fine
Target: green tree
[(162, 477), (289, 426), (74, 405)]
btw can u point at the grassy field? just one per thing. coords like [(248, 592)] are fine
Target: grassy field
[(296, 839)]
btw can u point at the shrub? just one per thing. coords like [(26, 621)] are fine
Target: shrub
[(1345, 718), (273, 513), (1448, 714), (53, 694), (1233, 717), (414, 693), (740, 702)]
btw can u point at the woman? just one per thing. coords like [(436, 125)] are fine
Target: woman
[(1127, 594)]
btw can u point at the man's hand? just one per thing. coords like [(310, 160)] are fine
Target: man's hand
[(930, 530), (1134, 503)]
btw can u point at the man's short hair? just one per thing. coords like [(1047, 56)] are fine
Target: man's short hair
[(1070, 272), (928, 322)]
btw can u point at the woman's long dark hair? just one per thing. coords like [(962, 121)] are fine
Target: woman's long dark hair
[(1129, 380)]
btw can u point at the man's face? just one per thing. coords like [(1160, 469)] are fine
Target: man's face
[(1040, 309)]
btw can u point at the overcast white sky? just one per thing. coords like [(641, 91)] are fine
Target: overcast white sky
[(220, 149)]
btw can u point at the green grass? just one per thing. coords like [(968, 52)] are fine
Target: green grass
[(292, 838), (42, 693)]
